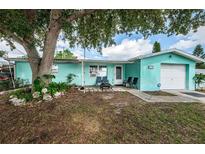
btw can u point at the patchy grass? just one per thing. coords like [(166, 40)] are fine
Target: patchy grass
[(158, 93), (201, 90), (102, 118)]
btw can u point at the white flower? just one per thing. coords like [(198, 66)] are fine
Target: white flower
[(57, 94), (11, 96), (44, 90), (36, 94), (47, 97)]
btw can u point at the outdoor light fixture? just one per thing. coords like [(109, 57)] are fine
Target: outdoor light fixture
[(150, 67)]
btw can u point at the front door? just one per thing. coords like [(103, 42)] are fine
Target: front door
[(118, 74)]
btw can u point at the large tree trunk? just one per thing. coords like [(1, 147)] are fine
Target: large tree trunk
[(42, 66), (34, 60), (50, 44)]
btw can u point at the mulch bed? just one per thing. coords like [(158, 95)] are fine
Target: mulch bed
[(101, 117), (158, 93)]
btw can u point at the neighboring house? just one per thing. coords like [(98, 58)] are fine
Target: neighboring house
[(170, 69)]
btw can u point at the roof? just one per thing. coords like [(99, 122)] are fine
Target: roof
[(176, 51), (105, 61), (55, 60), (77, 60)]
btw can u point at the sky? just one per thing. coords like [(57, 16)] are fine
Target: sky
[(128, 47)]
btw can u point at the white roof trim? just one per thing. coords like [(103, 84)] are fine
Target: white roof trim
[(177, 51), (105, 61)]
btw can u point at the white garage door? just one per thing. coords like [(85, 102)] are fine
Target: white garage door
[(173, 76)]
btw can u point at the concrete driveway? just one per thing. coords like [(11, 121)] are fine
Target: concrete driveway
[(153, 98), (199, 96)]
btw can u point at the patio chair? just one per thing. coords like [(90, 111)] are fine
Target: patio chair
[(105, 80), (127, 82), (98, 81), (105, 83), (134, 83)]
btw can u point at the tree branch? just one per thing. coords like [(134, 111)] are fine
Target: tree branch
[(32, 53), (79, 14), (30, 15), (11, 35)]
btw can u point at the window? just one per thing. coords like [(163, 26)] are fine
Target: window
[(102, 71), (54, 69), (98, 70), (93, 70)]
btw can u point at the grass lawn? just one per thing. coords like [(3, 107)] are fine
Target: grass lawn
[(116, 117)]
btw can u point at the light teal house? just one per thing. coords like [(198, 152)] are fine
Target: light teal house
[(170, 69)]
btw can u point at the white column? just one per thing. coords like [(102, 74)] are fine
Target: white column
[(83, 77)]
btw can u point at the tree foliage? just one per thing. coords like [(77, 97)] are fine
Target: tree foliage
[(2, 53), (35, 29), (97, 28), (198, 51), (65, 54), (199, 79), (156, 47)]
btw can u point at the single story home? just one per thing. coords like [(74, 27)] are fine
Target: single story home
[(169, 69)]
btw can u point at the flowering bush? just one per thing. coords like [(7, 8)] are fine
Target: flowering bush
[(41, 91), (47, 97), (36, 94), (57, 94), (44, 90), (20, 97)]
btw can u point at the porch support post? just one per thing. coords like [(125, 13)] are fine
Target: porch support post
[(83, 77)]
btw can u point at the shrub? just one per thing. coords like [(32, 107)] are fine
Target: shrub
[(5, 85), (23, 94), (70, 78), (54, 87), (199, 79), (38, 84), (62, 86), (19, 82)]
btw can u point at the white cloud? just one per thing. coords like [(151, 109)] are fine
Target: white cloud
[(62, 44), (127, 49), (19, 51), (184, 44), (191, 40), (78, 53)]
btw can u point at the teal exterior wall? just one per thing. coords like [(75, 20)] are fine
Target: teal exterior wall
[(64, 69), (133, 70), (150, 78), (23, 71)]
